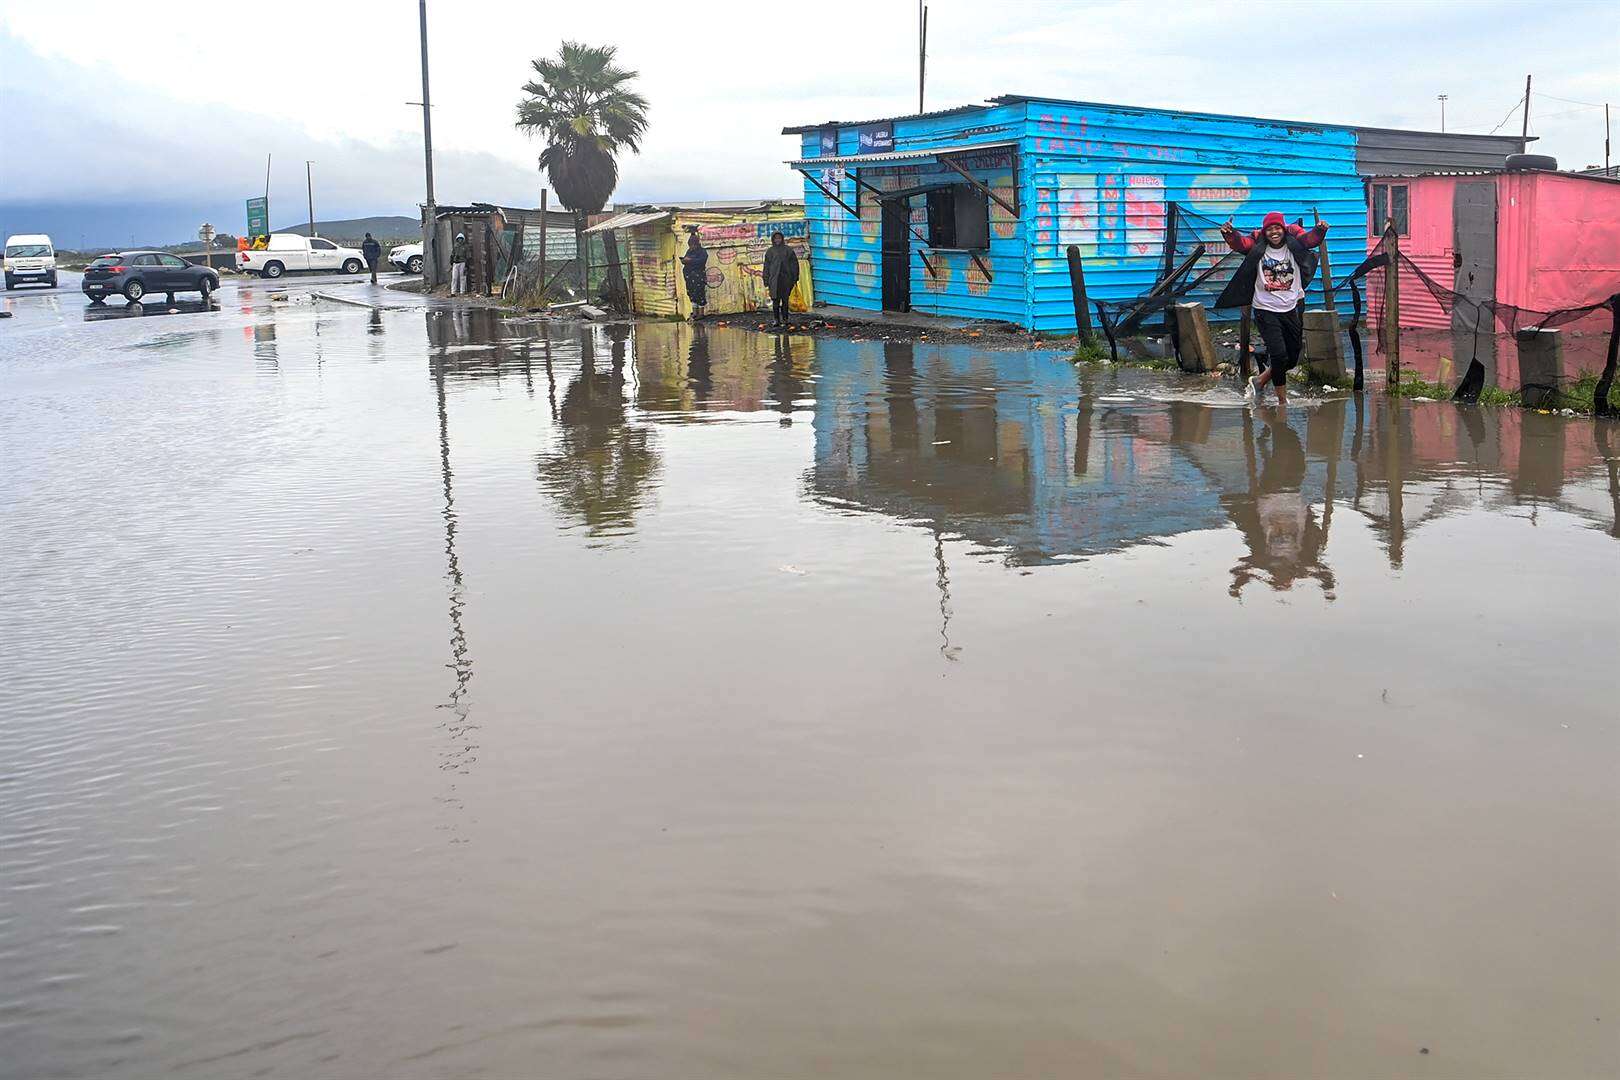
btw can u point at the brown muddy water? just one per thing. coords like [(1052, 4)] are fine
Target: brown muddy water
[(408, 694)]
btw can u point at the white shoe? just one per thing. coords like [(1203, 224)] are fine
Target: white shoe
[(1251, 391)]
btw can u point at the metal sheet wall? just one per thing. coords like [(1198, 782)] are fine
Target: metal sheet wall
[(1099, 177)]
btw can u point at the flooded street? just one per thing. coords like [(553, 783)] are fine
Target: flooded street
[(403, 692)]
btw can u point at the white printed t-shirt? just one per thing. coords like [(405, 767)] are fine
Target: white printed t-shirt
[(1276, 286)]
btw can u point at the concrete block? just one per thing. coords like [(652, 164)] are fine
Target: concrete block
[(1541, 367), (1197, 344), (1323, 357)]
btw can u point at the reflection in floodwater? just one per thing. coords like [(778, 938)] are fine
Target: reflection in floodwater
[(137, 309), (604, 467)]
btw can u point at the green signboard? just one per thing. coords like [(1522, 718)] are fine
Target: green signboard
[(258, 214)]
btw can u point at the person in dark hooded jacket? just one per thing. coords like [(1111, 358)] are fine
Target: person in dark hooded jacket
[(781, 273), (695, 269), (372, 251)]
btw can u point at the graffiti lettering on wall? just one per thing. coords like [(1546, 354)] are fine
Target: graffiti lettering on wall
[(1107, 215), (788, 229), (1061, 135), (1218, 194)]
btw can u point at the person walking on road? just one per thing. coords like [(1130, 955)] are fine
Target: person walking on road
[(781, 274), (695, 268), (372, 251), (458, 264), (1277, 266)]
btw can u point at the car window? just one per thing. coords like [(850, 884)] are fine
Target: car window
[(27, 251), (108, 260), (172, 260), (145, 260), (323, 245)]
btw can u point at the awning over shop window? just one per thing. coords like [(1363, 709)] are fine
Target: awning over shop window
[(899, 155)]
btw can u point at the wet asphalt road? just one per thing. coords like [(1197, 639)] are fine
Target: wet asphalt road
[(68, 286)]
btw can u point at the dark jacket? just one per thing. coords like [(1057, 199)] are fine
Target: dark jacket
[(1240, 290), (695, 266), (371, 249), (459, 250), (781, 269)]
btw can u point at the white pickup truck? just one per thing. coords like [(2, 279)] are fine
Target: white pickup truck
[(289, 251)]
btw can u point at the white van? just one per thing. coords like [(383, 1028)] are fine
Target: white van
[(30, 257)]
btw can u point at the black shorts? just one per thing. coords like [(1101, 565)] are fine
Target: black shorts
[(1284, 334)]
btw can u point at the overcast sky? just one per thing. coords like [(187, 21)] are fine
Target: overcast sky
[(149, 122)]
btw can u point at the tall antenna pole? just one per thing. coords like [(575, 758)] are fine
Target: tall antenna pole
[(922, 51), (267, 186), (427, 107), (309, 182), (1524, 132)]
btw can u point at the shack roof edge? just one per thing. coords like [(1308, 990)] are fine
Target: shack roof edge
[(1018, 99)]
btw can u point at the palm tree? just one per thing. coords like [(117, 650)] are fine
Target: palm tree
[(581, 104)]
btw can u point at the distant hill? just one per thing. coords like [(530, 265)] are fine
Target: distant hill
[(395, 227)]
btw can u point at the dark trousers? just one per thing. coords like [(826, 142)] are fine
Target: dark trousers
[(1284, 333), (779, 305), (373, 264)]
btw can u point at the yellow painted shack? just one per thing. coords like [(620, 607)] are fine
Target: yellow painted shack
[(736, 237)]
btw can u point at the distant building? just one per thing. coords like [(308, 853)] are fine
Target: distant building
[(968, 212), (652, 239)]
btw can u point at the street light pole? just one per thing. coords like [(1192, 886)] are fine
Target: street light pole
[(1443, 111), (309, 182)]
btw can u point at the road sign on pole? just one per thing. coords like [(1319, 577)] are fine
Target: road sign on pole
[(258, 217)]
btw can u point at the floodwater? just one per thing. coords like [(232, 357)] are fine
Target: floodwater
[(404, 693)]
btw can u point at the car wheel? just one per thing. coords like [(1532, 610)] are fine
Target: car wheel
[(273, 270), (8, 281), (352, 266), (414, 265), (53, 281), (134, 290), (204, 287)]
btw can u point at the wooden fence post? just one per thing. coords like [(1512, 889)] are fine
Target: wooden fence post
[(1077, 286), (1392, 307), (1244, 366)]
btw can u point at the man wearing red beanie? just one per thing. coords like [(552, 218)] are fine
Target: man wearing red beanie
[(1278, 264)]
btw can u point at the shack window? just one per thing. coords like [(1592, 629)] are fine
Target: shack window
[(1389, 201), (958, 217)]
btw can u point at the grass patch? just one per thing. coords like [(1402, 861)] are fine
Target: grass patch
[(1581, 395), (1489, 395), (1090, 352)]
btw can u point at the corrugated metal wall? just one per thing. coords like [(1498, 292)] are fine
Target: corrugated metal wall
[(1382, 153), (1429, 244), (1100, 177)]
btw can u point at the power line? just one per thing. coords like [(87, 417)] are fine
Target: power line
[(1517, 105), (1568, 101)]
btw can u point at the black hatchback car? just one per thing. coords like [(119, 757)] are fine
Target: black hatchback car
[(133, 274)]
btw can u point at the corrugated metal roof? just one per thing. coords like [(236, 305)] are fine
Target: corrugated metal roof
[(629, 220), (1015, 99), (903, 155), (953, 111), (1598, 176)]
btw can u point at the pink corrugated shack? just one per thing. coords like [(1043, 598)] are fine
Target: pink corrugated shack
[(1535, 239)]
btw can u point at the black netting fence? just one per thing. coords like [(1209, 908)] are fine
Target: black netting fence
[(1198, 265)]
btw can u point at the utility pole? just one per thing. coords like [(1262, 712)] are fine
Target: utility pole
[(427, 106), (1605, 138), (1524, 133), (429, 226), (309, 181), (1443, 112)]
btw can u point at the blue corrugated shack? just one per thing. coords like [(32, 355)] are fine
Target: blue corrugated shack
[(969, 212)]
